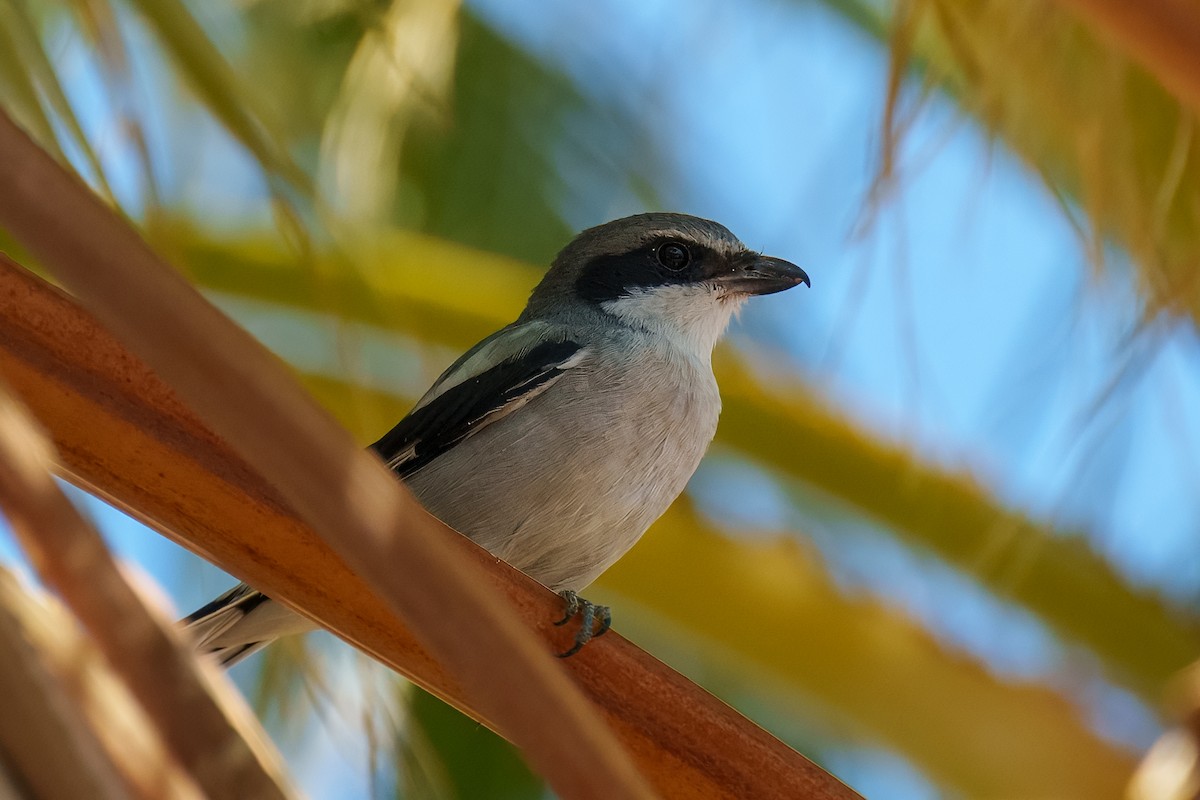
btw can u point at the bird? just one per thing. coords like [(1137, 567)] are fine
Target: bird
[(556, 441)]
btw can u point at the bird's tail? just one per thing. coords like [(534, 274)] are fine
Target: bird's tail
[(223, 627)]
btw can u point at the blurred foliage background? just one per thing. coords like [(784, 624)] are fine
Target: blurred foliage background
[(945, 543)]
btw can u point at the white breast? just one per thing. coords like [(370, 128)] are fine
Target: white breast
[(565, 486)]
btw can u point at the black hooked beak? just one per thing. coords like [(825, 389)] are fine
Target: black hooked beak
[(755, 274)]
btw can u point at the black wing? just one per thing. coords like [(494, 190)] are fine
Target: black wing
[(443, 422)]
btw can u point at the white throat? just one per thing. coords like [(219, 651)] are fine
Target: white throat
[(691, 317)]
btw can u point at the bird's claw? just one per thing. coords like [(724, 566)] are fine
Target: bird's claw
[(588, 614)]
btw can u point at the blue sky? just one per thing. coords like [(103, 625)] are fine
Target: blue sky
[(964, 320)]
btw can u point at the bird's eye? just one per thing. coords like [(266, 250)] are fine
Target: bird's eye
[(673, 255)]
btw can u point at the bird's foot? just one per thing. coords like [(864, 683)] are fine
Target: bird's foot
[(589, 614)]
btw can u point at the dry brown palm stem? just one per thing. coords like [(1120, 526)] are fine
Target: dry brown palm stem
[(348, 496), (155, 664), (102, 708), (125, 436), (46, 743), (1161, 35)]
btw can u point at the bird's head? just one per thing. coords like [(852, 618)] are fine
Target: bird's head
[(674, 275)]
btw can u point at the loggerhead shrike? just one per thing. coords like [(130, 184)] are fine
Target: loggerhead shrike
[(557, 440)]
